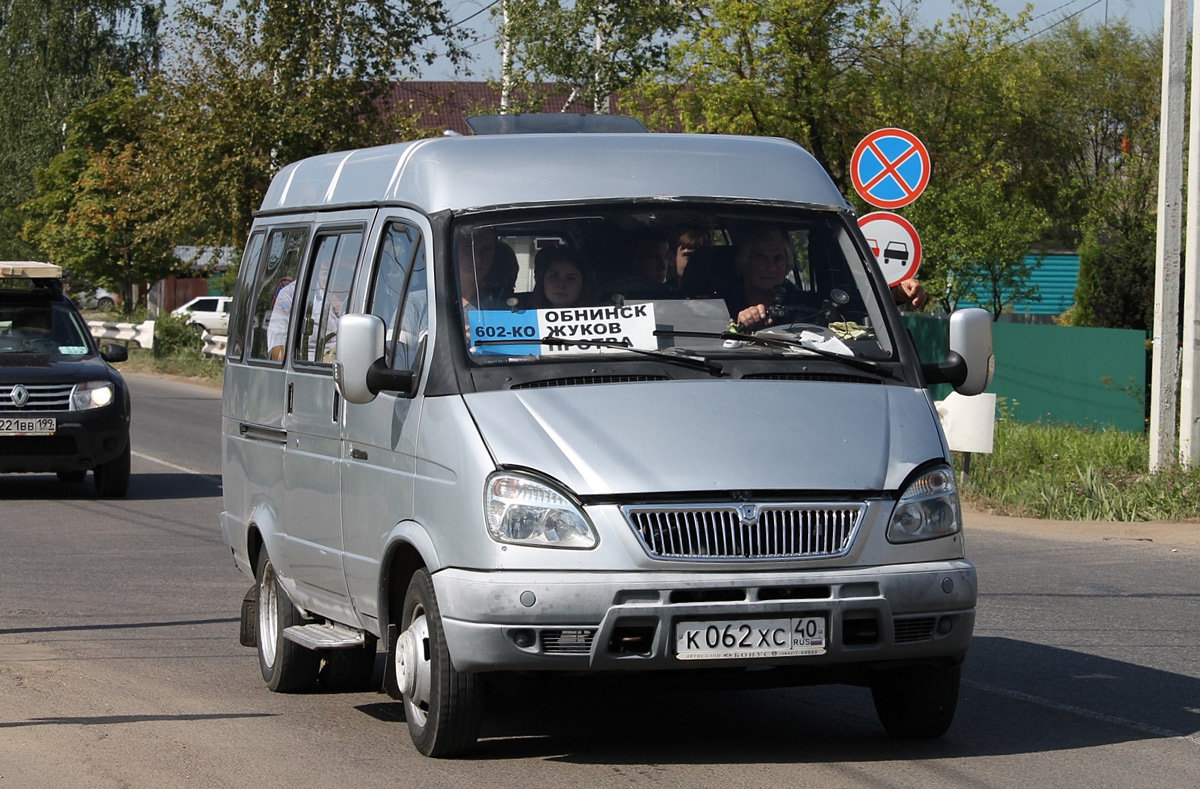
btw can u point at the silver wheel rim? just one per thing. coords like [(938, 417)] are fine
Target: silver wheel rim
[(413, 668), (268, 615)]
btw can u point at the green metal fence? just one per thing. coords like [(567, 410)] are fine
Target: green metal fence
[(1093, 377)]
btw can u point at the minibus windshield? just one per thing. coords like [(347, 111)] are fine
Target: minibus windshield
[(683, 282)]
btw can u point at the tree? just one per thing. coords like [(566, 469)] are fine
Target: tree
[(596, 47), (56, 56), (976, 236), (261, 84), (93, 213), (779, 68), (1117, 254)]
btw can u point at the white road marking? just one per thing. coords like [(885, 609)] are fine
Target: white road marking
[(175, 466), (1193, 738)]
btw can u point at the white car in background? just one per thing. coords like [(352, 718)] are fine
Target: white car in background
[(210, 313)]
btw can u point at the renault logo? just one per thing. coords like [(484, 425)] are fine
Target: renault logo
[(20, 396)]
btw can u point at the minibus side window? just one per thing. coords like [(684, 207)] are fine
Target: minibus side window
[(326, 292), (398, 294), (274, 288), (237, 332)]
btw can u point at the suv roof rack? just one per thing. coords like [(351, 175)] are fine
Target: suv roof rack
[(42, 276), (29, 268), (553, 123)]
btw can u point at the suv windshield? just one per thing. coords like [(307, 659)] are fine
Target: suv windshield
[(40, 326), (717, 285)]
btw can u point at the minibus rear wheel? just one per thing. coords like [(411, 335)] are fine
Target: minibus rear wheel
[(917, 702), (443, 706), (286, 666)]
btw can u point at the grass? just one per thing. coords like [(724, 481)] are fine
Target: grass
[(1066, 472), (202, 369)]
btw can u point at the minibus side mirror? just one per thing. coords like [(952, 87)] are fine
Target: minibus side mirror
[(969, 363), (359, 369)]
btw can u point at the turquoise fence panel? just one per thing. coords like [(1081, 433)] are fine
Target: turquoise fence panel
[(1092, 377)]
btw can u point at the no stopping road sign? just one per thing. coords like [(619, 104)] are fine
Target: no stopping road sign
[(890, 168)]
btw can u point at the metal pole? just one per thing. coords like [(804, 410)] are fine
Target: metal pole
[(1189, 392), (1165, 366)]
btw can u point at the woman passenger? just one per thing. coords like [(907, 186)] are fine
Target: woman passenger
[(559, 279)]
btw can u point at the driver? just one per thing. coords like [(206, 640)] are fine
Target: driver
[(763, 261)]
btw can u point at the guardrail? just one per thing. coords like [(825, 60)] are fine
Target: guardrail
[(143, 335), (214, 344)]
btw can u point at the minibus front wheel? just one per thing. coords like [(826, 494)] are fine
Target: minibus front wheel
[(917, 702), (443, 706), (286, 666)]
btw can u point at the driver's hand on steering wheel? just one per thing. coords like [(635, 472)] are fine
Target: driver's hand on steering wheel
[(751, 317)]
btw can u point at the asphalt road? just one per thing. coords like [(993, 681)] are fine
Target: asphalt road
[(120, 667)]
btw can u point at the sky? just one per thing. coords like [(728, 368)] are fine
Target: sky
[(1143, 15)]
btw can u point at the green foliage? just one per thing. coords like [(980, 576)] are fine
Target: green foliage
[(596, 47), (1116, 258), (1066, 472), (976, 235), (174, 338), (55, 56), (93, 212), (789, 68), (260, 84)]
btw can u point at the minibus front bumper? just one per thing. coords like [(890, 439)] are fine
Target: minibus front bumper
[(571, 621)]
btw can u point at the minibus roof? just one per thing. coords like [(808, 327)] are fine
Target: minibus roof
[(475, 172)]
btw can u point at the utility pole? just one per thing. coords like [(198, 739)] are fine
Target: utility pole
[(1189, 392), (1165, 363)]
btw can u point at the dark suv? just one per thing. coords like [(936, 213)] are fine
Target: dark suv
[(63, 408)]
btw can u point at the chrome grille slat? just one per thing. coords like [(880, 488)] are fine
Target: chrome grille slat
[(722, 532), (42, 397)]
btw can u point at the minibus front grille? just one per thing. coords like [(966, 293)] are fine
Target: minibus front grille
[(746, 531), (585, 380)]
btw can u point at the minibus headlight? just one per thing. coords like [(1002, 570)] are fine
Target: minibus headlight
[(91, 394), (928, 508), (523, 511)]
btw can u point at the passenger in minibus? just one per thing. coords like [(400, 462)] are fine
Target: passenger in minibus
[(560, 279)]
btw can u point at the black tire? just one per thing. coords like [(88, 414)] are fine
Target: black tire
[(286, 666), (917, 703), (112, 478), (444, 707), (75, 475), (346, 670), (198, 328), (105, 303)]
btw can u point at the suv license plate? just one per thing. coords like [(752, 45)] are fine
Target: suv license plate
[(44, 426), (750, 638)]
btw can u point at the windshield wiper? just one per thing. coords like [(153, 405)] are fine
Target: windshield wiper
[(779, 342), (694, 362)]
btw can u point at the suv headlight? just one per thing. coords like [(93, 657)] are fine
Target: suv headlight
[(524, 511), (927, 509), (91, 394)]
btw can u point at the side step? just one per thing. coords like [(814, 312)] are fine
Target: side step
[(325, 636)]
